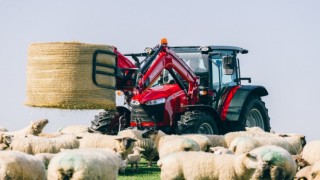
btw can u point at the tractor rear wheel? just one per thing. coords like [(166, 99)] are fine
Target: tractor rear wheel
[(196, 122), (253, 113)]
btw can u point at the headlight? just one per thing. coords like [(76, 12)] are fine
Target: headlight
[(156, 101), (134, 103)]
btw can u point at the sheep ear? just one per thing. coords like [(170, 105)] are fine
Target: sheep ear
[(303, 140), (283, 135), (251, 156), (212, 149), (133, 140), (78, 137), (119, 138), (8, 139), (148, 133)]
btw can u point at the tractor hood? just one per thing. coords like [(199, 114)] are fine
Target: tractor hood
[(157, 92)]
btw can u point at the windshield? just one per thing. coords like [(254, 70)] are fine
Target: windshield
[(195, 61)]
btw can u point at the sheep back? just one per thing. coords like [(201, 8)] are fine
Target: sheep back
[(35, 144), (311, 152), (278, 157), (85, 164), (18, 165)]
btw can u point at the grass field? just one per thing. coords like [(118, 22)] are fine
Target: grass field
[(145, 172)]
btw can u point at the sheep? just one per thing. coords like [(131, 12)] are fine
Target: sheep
[(147, 144), (311, 152), (281, 164), (166, 144), (92, 163), (242, 144), (19, 165), (134, 159), (220, 150), (301, 163), (202, 165), (5, 141), (34, 128), (169, 144), (229, 137), (74, 129), (203, 141), (217, 140), (2, 129), (122, 145), (45, 158), (315, 171), (304, 173), (34, 144)]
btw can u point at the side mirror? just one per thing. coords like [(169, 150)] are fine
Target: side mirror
[(228, 65)]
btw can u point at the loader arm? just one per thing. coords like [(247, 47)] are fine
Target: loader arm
[(164, 58)]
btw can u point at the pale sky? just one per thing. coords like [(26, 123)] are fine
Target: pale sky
[(282, 36)]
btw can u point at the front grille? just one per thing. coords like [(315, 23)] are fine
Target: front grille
[(144, 113)]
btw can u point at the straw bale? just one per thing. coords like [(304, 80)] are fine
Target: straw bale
[(59, 75)]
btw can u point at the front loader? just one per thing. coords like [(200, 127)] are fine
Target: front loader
[(170, 94)]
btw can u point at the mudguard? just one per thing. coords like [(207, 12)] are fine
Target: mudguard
[(239, 97)]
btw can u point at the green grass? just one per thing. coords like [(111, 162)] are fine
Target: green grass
[(144, 173)]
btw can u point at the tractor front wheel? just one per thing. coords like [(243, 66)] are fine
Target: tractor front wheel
[(196, 122)]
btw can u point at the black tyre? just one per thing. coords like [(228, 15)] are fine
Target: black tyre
[(196, 122), (106, 122), (253, 113)]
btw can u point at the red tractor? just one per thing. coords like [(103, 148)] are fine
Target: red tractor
[(180, 90)]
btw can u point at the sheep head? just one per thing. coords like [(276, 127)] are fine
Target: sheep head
[(38, 126), (126, 142), (150, 134)]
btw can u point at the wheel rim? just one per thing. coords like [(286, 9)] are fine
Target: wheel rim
[(205, 128), (255, 118)]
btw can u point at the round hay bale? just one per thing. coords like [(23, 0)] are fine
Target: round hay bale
[(59, 75)]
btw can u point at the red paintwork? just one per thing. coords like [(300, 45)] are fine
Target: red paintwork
[(168, 60), (123, 62), (175, 100), (175, 97), (227, 102)]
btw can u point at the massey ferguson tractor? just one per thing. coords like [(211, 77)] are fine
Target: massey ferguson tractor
[(181, 90)]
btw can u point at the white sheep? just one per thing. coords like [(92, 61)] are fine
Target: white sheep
[(315, 171), (93, 163), (74, 129), (171, 144), (229, 137), (122, 145), (34, 128), (19, 165), (34, 144), (217, 140), (203, 141), (2, 129), (301, 163), (311, 151), (242, 144), (147, 144), (281, 164), (202, 165), (166, 144), (45, 158), (134, 158), (5, 141), (218, 150), (304, 173)]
